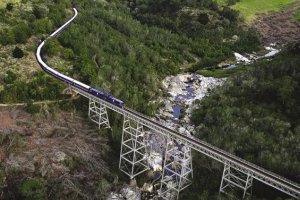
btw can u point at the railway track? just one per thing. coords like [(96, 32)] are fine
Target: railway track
[(258, 173)]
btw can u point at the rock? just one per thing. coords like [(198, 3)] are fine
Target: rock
[(131, 193), (182, 130), (239, 58), (235, 38), (115, 196), (272, 52), (59, 156), (147, 187), (133, 183), (223, 65)]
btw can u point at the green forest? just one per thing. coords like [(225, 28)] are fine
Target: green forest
[(255, 115), (126, 48)]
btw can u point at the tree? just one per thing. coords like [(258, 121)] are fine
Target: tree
[(42, 25), (40, 11), (10, 78), (9, 6), (18, 53), (7, 37), (22, 32), (52, 47)]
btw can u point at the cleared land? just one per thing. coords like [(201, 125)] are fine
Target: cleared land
[(279, 27)]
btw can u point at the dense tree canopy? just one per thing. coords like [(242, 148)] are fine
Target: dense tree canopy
[(256, 114)]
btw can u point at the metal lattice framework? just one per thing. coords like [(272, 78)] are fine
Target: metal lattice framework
[(233, 178), (269, 178), (132, 158), (177, 171), (98, 114)]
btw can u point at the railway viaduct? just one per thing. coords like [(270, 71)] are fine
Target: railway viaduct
[(238, 173)]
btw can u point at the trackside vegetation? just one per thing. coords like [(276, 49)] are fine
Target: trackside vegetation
[(255, 115), (125, 48)]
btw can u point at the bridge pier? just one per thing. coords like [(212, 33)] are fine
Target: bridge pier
[(98, 114), (177, 170), (233, 178), (132, 157)]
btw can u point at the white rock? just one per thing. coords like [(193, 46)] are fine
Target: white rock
[(240, 58)]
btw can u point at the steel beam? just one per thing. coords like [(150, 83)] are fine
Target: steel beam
[(233, 178), (177, 170), (274, 180), (98, 114), (132, 157)]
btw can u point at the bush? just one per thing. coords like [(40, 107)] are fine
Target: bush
[(18, 53), (31, 108), (33, 189), (40, 11), (7, 37), (68, 54), (9, 6), (52, 47), (230, 14), (22, 32), (10, 78), (42, 26)]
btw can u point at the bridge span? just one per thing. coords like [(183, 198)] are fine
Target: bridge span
[(238, 173)]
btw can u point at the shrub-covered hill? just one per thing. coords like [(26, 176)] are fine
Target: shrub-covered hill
[(118, 52), (256, 114), (112, 46)]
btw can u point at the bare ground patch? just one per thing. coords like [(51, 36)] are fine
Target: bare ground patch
[(61, 148), (279, 27)]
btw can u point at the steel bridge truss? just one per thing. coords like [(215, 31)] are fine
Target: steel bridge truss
[(132, 157), (133, 148), (258, 173), (233, 178), (177, 171), (98, 114)]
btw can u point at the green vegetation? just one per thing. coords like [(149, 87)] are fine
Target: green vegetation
[(33, 189), (250, 8), (4, 3), (40, 87), (127, 48), (17, 53), (135, 50), (297, 16), (255, 115), (220, 73)]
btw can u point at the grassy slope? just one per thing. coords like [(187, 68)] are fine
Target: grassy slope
[(250, 8)]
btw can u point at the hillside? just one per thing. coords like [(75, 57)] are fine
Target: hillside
[(126, 49), (255, 115)]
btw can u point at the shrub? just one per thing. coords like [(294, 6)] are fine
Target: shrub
[(31, 108), (40, 11), (33, 189), (10, 78), (42, 26), (9, 6), (18, 53), (52, 47), (7, 37), (22, 32)]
